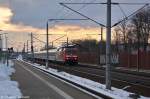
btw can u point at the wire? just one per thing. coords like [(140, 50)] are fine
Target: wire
[(122, 11), (83, 6), (128, 17), (113, 3), (39, 40), (59, 12), (82, 14), (134, 3), (73, 12)]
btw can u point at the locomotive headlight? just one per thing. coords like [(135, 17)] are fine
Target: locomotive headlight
[(75, 57), (67, 57)]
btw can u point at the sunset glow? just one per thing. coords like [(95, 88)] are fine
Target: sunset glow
[(73, 32)]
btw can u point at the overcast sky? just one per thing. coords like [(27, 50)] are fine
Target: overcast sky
[(36, 12), (33, 14)]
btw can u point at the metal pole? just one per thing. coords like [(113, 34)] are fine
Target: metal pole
[(108, 46), (100, 45), (67, 41), (27, 46), (32, 50), (138, 53), (52, 44), (1, 42), (47, 45), (101, 33), (24, 48), (6, 50)]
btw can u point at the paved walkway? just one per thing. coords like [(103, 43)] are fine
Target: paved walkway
[(37, 85)]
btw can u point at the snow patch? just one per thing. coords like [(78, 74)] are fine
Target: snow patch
[(8, 89), (19, 57)]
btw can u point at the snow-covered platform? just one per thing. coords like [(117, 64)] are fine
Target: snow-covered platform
[(39, 85), (100, 88)]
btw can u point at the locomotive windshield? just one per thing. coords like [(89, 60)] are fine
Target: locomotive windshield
[(71, 50)]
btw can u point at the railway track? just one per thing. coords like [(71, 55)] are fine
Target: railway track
[(142, 74), (142, 80), (130, 82)]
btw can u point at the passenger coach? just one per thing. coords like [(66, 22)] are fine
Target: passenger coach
[(64, 54)]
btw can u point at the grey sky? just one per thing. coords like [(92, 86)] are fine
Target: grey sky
[(36, 12), (33, 14)]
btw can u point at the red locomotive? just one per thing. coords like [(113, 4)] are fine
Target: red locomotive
[(64, 54)]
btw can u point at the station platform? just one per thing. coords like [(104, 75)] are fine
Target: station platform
[(38, 85)]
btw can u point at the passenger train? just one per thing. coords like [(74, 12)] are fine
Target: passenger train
[(64, 54)]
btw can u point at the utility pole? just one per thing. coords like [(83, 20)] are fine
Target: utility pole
[(6, 50), (24, 47), (100, 45), (27, 46), (52, 44), (1, 42), (47, 43), (32, 50), (101, 33), (108, 46), (67, 41)]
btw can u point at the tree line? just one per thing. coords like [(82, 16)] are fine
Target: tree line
[(134, 33)]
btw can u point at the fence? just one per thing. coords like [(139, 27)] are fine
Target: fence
[(123, 59)]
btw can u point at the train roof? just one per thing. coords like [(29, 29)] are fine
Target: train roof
[(51, 50), (67, 46), (54, 50)]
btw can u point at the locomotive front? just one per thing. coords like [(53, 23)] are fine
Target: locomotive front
[(70, 55)]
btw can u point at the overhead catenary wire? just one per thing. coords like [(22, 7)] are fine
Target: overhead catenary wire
[(113, 3), (129, 16), (83, 6), (59, 12), (39, 40), (82, 14), (122, 11)]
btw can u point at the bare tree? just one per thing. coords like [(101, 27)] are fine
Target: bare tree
[(141, 22), (121, 33)]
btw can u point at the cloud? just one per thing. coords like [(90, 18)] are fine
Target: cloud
[(16, 32), (19, 31), (5, 15), (5, 22)]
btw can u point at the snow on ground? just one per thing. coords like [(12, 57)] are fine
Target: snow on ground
[(8, 89), (115, 93), (19, 57)]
